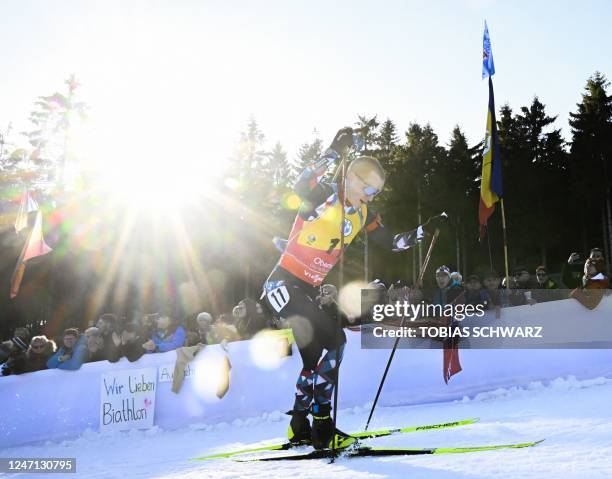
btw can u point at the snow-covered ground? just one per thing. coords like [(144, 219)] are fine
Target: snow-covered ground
[(573, 416)]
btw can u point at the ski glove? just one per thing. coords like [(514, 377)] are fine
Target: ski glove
[(342, 140), (435, 222), (407, 240)]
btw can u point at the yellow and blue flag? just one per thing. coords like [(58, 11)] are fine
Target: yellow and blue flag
[(491, 180)]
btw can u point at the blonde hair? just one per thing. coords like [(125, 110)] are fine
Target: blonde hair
[(49, 343), (363, 165)]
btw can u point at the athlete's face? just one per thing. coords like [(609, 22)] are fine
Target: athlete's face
[(362, 187)]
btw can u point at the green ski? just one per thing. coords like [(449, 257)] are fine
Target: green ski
[(344, 441), (375, 451)]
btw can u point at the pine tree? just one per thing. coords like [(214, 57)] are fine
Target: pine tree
[(591, 151), (49, 140), (308, 154), (386, 143), (279, 166), (369, 132), (534, 170), (462, 192)]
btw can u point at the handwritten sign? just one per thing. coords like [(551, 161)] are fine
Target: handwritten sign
[(165, 373), (127, 399)]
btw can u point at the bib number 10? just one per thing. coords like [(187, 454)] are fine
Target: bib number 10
[(278, 298)]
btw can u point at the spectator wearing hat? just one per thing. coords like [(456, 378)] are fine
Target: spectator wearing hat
[(544, 286), (456, 278), (204, 321), (594, 284), (72, 354), (13, 352), (474, 293), (40, 350), (448, 292)]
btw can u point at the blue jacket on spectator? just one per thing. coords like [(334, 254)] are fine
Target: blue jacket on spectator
[(169, 342), (75, 362)]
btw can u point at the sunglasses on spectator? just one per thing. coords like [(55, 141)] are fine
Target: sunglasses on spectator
[(368, 190), (541, 274), (38, 346)]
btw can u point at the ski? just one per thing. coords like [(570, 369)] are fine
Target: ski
[(344, 441), (375, 451)]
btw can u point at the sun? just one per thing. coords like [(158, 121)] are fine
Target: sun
[(142, 169)]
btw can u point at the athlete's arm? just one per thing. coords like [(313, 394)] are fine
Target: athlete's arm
[(383, 237), (309, 184)]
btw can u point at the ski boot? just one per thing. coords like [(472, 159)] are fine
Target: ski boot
[(322, 426), (299, 428)]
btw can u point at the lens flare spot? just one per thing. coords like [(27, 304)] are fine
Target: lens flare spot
[(212, 374), (301, 328), (292, 201), (232, 183), (349, 298), (268, 348)]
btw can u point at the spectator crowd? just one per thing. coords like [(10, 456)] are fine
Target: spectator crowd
[(112, 337)]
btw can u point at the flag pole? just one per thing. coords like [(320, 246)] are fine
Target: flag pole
[(503, 211), (490, 254)]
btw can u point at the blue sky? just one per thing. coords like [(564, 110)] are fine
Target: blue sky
[(182, 78)]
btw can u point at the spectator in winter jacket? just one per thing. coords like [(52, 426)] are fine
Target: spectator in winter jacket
[(249, 318), (108, 324), (523, 278), (545, 289), (192, 339), (168, 336), (13, 352), (572, 271), (519, 292), (41, 349), (147, 325), (131, 343), (448, 291), (474, 294), (456, 278), (204, 323), (493, 295), (594, 284), (224, 330), (72, 354), (95, 345)]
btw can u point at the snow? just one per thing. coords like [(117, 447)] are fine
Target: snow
[(574, 416)]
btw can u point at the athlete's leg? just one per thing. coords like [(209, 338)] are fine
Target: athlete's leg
[(326, 375), (304, 317)]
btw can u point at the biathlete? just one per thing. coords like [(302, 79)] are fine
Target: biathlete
[(312, 250)]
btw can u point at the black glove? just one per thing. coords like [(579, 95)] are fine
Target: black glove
[(435, 222), (342, 140)]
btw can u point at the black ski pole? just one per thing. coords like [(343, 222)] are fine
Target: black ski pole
[(341, 199), (420, 281)]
